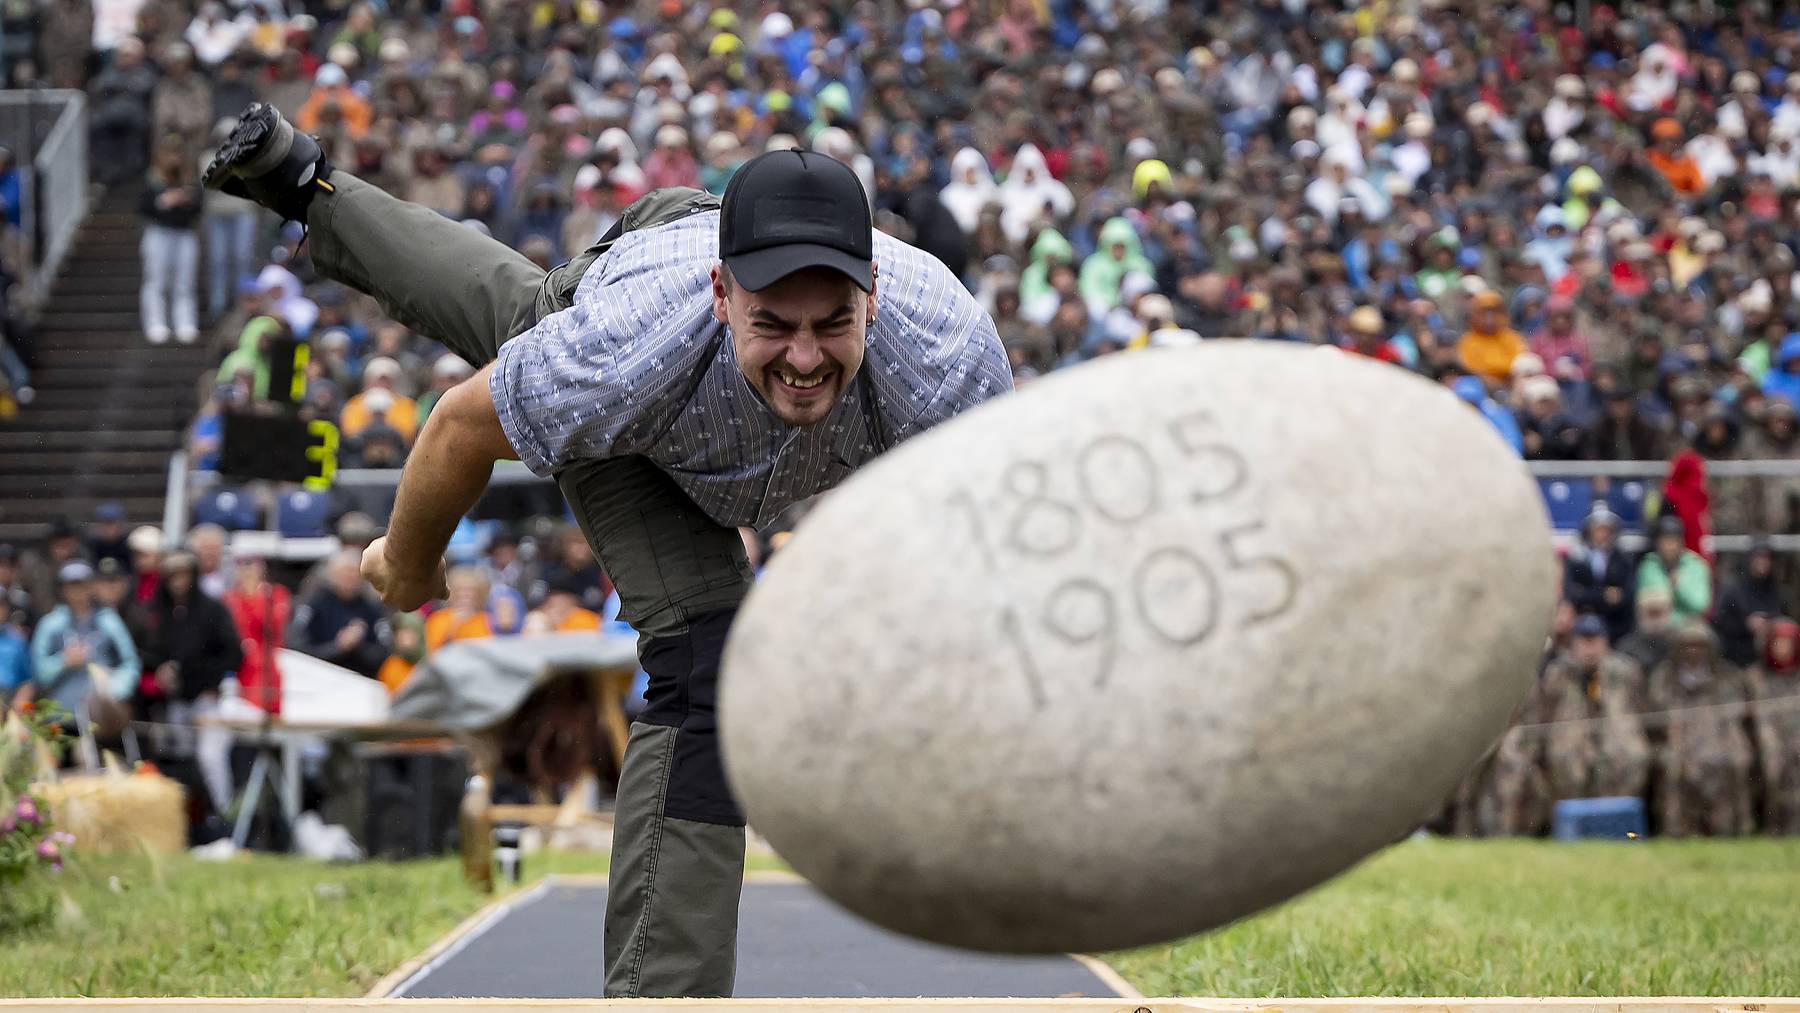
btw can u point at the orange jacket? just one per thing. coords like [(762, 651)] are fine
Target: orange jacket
[(445, 626), (1682, 172), (356, 111), (402, 417), (1490, 356)]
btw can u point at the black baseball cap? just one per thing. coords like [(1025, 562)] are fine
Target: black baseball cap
[(785, 211)]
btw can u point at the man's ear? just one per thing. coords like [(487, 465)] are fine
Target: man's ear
[(720, 295), (874, 284)]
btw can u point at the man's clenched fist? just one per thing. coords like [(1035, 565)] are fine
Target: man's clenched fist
[(401, 588)]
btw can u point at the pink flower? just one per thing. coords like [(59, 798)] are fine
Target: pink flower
[(63, 838), (48, 851), (7, 825), (26, 811)]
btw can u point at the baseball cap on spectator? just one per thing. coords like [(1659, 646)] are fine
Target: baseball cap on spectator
[(1539, 387), (381, 368), (1570, 86), (147, 539), (1527, 364), (109, 513), (110, 568), (777, 26), (451, 366), (75, 572), (331, 75), (1365, 320), (1589, 625)]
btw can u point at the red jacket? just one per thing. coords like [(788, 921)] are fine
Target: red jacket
[(262, 624)]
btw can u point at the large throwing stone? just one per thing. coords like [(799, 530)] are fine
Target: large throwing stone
[(1139, 650)]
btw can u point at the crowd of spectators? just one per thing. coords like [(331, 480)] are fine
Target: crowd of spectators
[(1586, 227), (1656, 685), (119, 628), (1581, 218)]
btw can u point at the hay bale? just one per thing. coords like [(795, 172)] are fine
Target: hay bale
[(115, 813)]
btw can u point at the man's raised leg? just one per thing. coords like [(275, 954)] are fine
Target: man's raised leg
[(438, 277)]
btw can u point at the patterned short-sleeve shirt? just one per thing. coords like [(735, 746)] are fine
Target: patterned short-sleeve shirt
[(637, 365)]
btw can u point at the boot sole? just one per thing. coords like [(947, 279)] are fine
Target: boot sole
[(247, 142)]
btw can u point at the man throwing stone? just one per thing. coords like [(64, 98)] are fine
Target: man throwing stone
[(703, 366)]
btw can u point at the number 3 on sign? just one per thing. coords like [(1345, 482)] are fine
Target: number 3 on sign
[(322, 450)]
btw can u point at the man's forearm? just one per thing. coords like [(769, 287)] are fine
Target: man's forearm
[(445, 474), (441, 483)]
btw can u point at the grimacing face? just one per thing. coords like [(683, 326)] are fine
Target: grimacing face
[(799, 341)]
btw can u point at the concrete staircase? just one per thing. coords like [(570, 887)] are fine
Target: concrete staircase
[(110, 406)]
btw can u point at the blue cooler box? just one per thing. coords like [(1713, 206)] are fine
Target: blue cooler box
[(1614, 819)]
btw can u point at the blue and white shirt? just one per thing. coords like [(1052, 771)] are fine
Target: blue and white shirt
[(637, 365)]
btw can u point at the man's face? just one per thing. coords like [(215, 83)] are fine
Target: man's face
[(78, 594), (799, 341), (179, 581), (62, 548), (345, 578), (111, 590), (1601, 536), (1669, 546), (1761, 565), (1588, 651), (1654, 618), (1487, 320)]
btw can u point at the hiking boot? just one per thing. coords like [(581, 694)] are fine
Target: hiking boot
[(267, 161)]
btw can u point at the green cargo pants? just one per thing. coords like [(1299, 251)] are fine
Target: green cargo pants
[(678, 839)]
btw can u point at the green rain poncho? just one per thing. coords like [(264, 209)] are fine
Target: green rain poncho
[(249, 358), (1101, 273), (1035, 280)]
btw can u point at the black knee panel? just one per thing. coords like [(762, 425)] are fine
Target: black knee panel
[(684, 695)]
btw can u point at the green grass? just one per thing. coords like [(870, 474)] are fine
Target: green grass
[(1425, 918), (1525, 918), (259, 925)]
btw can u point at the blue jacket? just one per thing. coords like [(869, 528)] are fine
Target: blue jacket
[(1779, 382), (15, 660), (1471, 389), (112, 656)]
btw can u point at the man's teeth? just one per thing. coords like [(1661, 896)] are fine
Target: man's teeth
[(795, 380)]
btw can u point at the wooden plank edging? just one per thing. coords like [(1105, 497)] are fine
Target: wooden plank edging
[(1647, 1004)]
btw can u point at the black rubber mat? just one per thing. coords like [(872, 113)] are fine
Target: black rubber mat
[(793, 944)]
